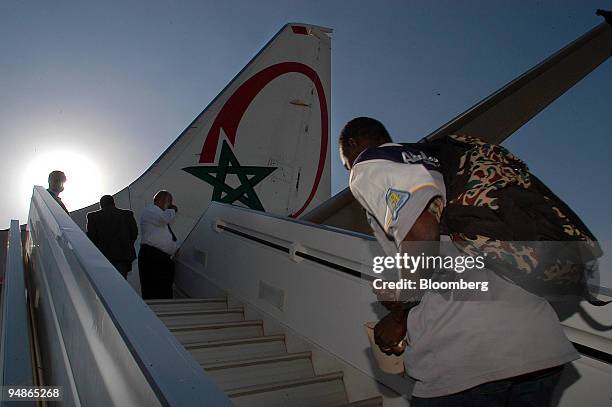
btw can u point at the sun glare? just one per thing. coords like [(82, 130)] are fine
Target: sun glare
[(84, 184)]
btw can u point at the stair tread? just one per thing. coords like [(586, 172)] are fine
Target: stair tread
[(181, 318), (228, 350), (199, 312), (256, 361), (206, 332), (243, 373), (216, 325), (371, 402), (261, 388), (158, 306), (237, 341), (185, 300), (253, 369)]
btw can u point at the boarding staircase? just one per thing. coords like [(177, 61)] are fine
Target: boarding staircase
[(252, 368), (95, 338), (266, 320)]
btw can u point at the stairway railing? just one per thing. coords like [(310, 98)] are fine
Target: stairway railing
[(98, 339), (16, 350)]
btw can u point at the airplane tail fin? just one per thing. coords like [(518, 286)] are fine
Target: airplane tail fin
[(262, 143)]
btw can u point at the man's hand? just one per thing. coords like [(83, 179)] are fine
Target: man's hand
[(385, 295), (389, 332)]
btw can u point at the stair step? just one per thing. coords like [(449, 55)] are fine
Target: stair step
[(254, 370), (259, 371), (320, 391), (184, 300), (187, 334), (373, 402), (180, 318), (190, 304), (237, 349)]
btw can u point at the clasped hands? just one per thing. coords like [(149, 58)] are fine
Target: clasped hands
[(390, 331)]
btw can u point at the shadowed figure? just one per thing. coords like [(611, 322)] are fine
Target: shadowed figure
[(56, 186), (114, 232)]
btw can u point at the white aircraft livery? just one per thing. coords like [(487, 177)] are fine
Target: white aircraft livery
[(262, 143)]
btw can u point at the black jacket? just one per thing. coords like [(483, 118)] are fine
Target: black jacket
[(58, 200), (114, 232)]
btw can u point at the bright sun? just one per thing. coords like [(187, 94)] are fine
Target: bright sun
[(84, 184)]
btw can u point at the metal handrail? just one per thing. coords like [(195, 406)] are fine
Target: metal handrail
[(105, 344), (16, 350)]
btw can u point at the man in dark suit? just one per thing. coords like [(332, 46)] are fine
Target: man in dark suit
[(114, 232)]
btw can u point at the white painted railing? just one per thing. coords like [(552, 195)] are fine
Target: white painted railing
[(97, 338), (16, 351)]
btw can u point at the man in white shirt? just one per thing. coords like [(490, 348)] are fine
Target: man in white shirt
[(157, 246), (507, 349)]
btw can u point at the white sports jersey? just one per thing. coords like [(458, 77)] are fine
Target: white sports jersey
[(454, 343), (395, 186)]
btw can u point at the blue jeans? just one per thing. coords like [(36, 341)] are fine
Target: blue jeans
[(530, 390)]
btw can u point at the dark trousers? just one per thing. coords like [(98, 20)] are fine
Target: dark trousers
[(123, 267), (529, 390), (156, 270)]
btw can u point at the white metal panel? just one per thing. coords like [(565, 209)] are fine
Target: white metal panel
[(589, 325), (587, 382)]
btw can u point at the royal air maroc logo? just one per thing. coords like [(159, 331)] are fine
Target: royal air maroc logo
[(227, 122)]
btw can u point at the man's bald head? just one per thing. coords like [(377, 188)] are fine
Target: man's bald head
[(163, 199)]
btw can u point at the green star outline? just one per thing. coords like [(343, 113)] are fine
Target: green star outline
[(228, 164)]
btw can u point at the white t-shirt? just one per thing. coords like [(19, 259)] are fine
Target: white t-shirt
[(154, 230), (465, 338), (455, 344)]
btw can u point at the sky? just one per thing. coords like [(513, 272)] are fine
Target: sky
[(107, 86)]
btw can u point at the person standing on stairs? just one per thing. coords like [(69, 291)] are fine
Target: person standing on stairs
[(56, 186), (114, 232), (157, 247)]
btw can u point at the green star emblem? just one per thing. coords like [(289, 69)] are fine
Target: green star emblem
[(249, 176)]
